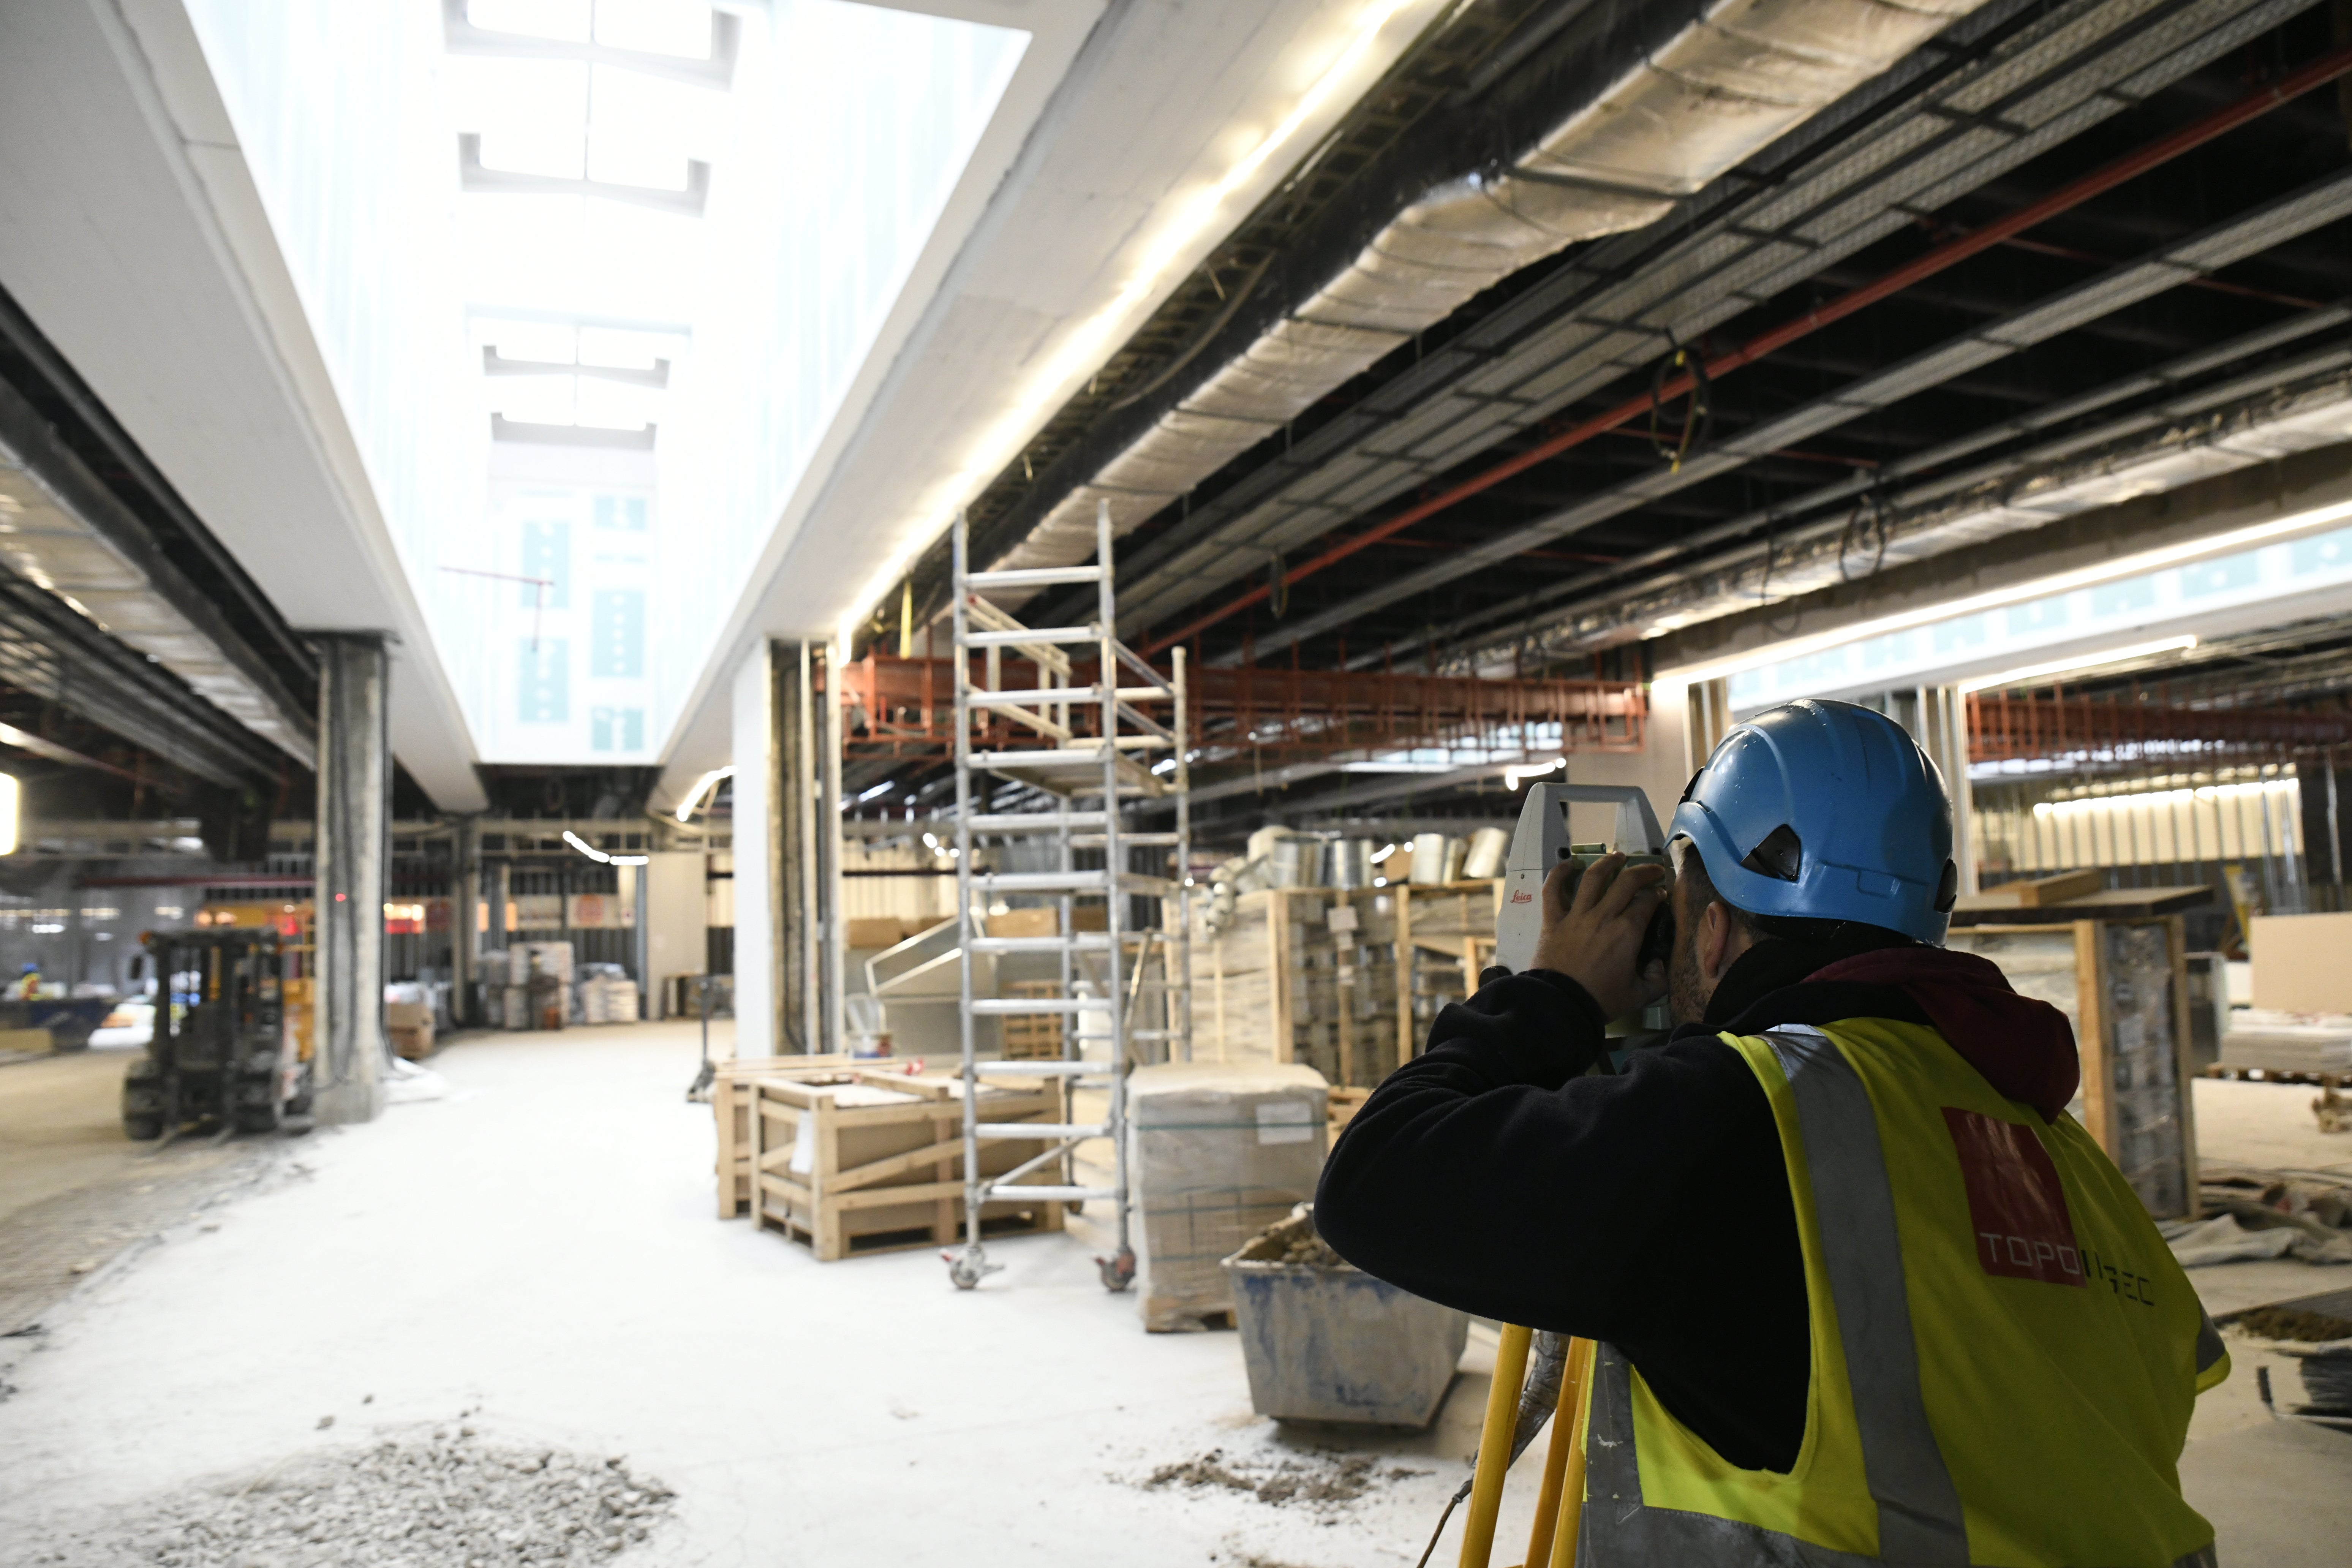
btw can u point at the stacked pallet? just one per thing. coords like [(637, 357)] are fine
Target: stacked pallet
[(1030, 1037), (1346, 981)]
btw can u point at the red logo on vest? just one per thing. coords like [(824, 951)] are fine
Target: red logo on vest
[(2016, 1202)]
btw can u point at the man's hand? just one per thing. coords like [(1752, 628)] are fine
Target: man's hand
[(1595, 940)]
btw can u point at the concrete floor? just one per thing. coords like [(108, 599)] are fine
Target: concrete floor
[(540, 1246), (75, 1194)]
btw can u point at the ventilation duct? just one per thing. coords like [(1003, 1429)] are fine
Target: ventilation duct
[(1745, 73)]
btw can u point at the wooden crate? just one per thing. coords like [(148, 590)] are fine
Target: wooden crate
[(730, 1109), (876, 1162), (1032, 1036), (2123, 983)]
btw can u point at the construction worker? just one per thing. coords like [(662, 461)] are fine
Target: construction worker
[(26, 985), (1862, 1290)]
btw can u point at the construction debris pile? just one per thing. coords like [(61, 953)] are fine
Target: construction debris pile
[(1293, 1240), (2255, 1214), (444, 1498)]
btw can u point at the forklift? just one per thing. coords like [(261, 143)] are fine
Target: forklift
[(221, 1056)]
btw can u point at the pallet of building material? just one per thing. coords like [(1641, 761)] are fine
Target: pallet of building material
[(730, 1108), (1217, 1153), (875, 1163), (2280, 1042), (2123, 984)]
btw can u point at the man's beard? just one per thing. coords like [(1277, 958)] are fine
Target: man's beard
[(1686, 990)]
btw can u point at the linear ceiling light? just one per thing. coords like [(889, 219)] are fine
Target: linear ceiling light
[(1088, 345), (1515, 777), (2039, 672), (1790, 648), (11, 796), (586, 849), (702, 786)]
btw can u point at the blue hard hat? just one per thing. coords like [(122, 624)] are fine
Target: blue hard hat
[(1825, 811)]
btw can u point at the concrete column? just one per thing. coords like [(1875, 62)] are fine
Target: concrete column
[(787, 968), (831, 930), (1943, 733), (798, 907), (351, 852), (464, 920)]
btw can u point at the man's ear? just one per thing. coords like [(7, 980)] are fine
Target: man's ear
[(1715, 943)]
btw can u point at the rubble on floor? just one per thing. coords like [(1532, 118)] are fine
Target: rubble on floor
[(1322, 1480), (443, 1499)]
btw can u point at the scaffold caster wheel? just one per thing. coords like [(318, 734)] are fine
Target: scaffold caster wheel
[(970, 1266), (1118, 1271)]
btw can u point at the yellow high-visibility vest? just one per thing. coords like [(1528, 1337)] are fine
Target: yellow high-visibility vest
[(2005, 1354)]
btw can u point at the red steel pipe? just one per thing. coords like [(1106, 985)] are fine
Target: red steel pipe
[(2319, 73)]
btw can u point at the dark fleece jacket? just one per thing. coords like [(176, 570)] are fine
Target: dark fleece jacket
[(1651, 1208)]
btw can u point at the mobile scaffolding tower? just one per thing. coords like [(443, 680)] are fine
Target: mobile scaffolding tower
[(1102, 740)]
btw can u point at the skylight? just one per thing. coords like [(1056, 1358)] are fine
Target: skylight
[(592, 279)]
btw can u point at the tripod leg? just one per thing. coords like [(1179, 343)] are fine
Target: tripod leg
[(1494, 1445)]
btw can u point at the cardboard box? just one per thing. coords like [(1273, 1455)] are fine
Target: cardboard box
[(1026, 922), (410, 1027), (879, 932), (2303, 963), (2041, 892)]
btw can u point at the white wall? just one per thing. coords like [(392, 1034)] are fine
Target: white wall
[(1658, 768), (755, 859), (676, 942)]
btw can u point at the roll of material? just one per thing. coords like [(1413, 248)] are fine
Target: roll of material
[(1297, 863), (1485, 856), (1350, 862), (1432, 852)]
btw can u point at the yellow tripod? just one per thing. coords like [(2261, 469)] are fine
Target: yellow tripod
[(1551, 1542)]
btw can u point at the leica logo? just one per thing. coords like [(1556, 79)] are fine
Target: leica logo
[(1523, 897)]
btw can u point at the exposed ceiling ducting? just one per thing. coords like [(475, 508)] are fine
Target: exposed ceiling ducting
[(1724, 81), (77, 535)]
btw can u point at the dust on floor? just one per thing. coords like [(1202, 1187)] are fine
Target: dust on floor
[(47, 1249)]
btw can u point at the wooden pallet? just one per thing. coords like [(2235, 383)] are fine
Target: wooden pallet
[(2277, 1075), (875, 1163)]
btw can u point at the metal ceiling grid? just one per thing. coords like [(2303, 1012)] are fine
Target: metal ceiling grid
[(2248, 419), (1710, 276), (2245, 236), (47, 651), (1490, 642), (2249, 234)]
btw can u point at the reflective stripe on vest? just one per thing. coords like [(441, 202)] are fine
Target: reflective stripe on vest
[(1920, 1520)]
